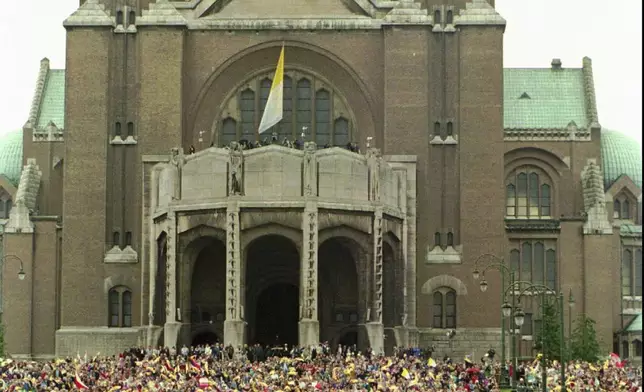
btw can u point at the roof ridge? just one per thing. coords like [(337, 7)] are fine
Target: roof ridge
[(38, 93)]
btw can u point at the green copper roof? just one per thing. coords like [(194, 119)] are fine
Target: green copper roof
[(11, 156), (621, 155), (628, 230), (52, 105), (635, 325), (543, 98)]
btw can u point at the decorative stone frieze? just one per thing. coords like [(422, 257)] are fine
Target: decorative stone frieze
[(377, 266), (233, 264), (50, 134), (552, 135), (309, 265), (171, 269)]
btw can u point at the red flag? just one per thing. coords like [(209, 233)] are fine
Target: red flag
[(168, 366), (195, 364), (78, 383)]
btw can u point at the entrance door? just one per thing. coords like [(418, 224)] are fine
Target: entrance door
[(277, 314)]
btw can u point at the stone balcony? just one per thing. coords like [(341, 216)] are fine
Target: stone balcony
[(281, 177)]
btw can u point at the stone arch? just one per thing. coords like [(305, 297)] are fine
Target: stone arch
[(205, 333), (271, 288), (549, 161), (444, 281), (358, 94), (256, 232), (191, 243), (207, 285), (343, 333)]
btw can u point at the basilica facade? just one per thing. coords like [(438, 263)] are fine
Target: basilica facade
[(141, 206)]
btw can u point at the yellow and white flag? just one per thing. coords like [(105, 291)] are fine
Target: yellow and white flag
[(274, 105)]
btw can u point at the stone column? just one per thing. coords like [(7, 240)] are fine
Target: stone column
[(309, 325), (375, 328), (171, 327), (234, 326)]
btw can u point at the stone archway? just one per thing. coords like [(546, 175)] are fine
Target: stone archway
[(208, 286), (271, 295), (205, 338), (339, 288)]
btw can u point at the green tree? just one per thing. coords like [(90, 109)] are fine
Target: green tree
[(584, 345), (549, 336)]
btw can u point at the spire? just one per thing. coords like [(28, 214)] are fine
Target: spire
[(594, 200)]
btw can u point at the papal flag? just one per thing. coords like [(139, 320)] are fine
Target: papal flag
[(273, 111)]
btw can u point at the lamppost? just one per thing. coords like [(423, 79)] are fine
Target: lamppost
[(519, 319), (21, 273), (498, 264), (571, 304)]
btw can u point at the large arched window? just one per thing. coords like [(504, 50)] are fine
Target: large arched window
[(444, 308), (528, 195), (627, 272), (120, 307), (622, 206), (535, 262), (632, 272), (310, 106)]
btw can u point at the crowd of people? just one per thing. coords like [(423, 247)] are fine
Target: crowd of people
[(280, 369)]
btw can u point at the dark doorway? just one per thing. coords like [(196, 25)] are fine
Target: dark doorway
[(205, 338), (272, 290), (349, 339), (277, 315)]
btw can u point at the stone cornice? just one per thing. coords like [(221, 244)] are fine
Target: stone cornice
[(540, 225), (313, 23), (547, 134)]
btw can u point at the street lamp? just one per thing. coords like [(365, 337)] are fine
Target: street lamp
[(519, 318), (506, 308), (21, 273), (571, 300), (506, 311)]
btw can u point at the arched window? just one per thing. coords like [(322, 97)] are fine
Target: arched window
[(437, 310), (437, 239), (322, 116), (119, 18), (437, 128), (128, 238), (303, 92), (450, 128), (131, 20), (625, 350), (450, 17), (437, 17), (117, 129), (617, 209), (627, 272), (535, 262), (247, 108), (116, 239), (450, 239), (637, 345), (308, 102), (638, 272), (229, 131), (444, 308), (527, 196), (626, 210), (130, 128), (7, 207), (120, 307)]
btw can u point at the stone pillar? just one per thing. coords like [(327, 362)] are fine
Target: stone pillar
[(375, 328), (171, 327), (234, 326), (309, 325)]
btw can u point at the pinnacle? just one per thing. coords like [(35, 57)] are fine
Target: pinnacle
[(479, 12)]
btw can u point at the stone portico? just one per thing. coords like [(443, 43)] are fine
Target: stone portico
[(310, 198)]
